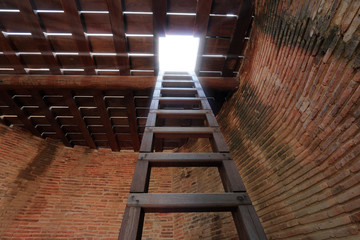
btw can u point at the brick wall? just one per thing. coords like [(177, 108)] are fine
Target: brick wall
[(293, 125), (293, 129), (48, 191)]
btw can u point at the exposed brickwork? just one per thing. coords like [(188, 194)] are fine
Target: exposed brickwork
[(296, 117), (48, 191), (213, 225), (293, 129)]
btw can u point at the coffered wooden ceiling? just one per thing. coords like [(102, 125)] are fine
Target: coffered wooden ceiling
[(82, 70)]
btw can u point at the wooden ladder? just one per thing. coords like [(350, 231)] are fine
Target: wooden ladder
[(180, 96)]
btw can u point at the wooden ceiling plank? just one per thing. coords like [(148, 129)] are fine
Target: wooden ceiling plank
[(203, 10), (102, 82), (131, 111), (31, 22), (69, 101), (159, 28), (6, 97), (106, 121), (118, 29), (10, 54), (237, 40), (37, 96), (78, 34)]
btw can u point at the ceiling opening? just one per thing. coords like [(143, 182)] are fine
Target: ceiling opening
[(178, 53)]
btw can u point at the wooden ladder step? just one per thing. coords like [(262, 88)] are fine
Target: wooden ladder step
[(178, 83), (187, 202), (190, 90), (183, 101), (174, 90), (190, 156), (160, 159)]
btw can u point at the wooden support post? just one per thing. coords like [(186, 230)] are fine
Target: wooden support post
[(105, 120), (50, 116), (230, 177), (10, 54), (141, 177), (203, 11), (32, 23), (7, 98), (174, 91), (248, 224), (131, 111), (68, 97), (132, 224), (78, 34), (118, 30)]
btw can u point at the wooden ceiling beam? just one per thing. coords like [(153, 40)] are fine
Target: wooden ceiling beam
[(10, 54), (203, 10), (74, 110), (7, 98), (50, 116), (238, 38), (102, 82), (131, 112), (105, 120), (31, 22), (118, 29), (78, 34), (159, 23)]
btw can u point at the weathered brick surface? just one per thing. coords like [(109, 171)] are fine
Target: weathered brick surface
[(293, 125), (212, 225), (48, 191)]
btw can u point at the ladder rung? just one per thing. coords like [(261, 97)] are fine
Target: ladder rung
[(182, 130), (177, 81), (184, 160), (177, 76), (184, 156), (178, 84), (179, 89), (180, 98), (187, 202), (180, 112)]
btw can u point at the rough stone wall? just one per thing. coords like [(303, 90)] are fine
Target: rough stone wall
[(293, 125), (48, 191)]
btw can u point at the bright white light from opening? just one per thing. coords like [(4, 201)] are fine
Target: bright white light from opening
[(178, 53)]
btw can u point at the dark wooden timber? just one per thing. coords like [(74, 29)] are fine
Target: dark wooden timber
[(118, 30), (203, 10), (184, 159), (31, 22), (105, 119), (132, 223), (159, 8), (131, 112), (68, 98), (230, 177), (187, 202), (180, 128), (7, 98), (10, 54), (78, 34), (238, 38), (142, 175), (50, 116), (247, 223), (100, 82)]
